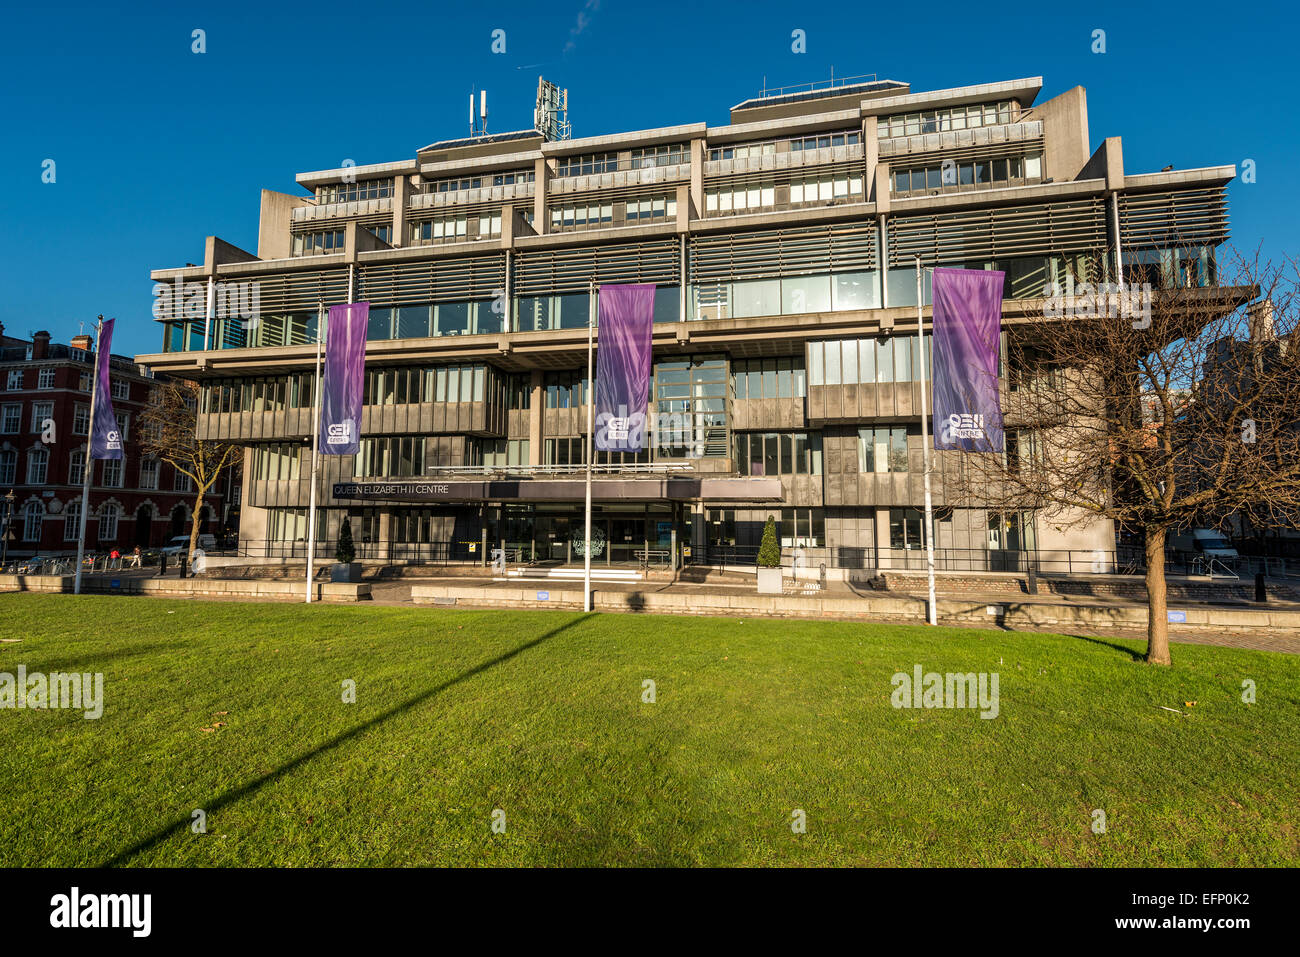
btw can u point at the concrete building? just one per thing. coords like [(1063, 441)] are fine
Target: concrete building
[(44, 420), (786, 370)]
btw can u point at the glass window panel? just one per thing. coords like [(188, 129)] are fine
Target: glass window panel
[(833, 363), (412, 322), (885, 361), (850, 366)]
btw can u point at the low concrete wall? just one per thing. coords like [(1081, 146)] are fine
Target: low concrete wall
[(257, 589), (893, 608)]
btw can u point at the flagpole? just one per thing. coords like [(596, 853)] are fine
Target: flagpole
[(88, 463), (586, 552), (315, 450), (932, 615)]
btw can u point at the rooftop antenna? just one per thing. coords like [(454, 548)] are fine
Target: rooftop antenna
[(551, 114), (482, 111)]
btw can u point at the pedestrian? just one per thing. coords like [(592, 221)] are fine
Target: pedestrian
[(136, 558)]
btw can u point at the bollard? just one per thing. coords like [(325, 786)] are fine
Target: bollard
[(1261, 593), (162, 564)]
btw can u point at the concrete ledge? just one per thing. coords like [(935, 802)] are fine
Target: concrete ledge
[(1005, 614), (257, 589)]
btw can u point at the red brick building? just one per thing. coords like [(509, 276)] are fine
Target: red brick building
[(44, 419)]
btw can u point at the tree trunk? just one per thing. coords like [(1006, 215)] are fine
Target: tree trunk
[(194, 523), (1157, 599)]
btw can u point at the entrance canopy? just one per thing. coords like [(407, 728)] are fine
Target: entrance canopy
[(650, 489)]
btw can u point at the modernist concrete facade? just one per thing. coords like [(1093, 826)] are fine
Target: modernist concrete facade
[(784, 246)]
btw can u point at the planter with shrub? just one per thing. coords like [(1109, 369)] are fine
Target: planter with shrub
[(769, 561), (345, 568)]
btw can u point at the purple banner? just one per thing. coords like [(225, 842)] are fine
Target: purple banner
[(967, 332), (105, 439), (343, 388), (623, 366)]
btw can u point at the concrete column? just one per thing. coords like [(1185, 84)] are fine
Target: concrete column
[(541, 186), (536, 402), (401, 192), (882, 535), (870, 155), (698, 154), (385, 534)]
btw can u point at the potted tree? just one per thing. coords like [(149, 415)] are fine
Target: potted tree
[(345, 568), (769, 561)]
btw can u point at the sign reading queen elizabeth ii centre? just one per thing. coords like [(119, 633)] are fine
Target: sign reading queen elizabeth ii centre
[(623, 366), (342, 391), (967, 334)]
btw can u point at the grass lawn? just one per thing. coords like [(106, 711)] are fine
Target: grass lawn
[(540, 714)]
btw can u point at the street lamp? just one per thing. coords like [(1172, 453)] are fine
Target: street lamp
[(9, 511)]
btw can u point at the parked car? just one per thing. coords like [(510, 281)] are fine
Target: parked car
[(181, 543)]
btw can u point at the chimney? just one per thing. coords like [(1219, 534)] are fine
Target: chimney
[(81, 342), (40, 345)]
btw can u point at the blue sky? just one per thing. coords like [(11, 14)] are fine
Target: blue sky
[(157, 147)]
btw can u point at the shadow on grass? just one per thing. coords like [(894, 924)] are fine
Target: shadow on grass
[(221, 801), (1135, 655)]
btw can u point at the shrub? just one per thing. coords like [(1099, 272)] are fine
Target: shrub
[(769, 552), (345, 552)]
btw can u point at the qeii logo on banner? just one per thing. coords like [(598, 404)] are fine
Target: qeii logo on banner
[(965, 425), (113, 440), (340, 433)]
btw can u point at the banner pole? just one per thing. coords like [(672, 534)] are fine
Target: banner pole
[(586, 551), (315, 450), (88, 463), (932, 615)]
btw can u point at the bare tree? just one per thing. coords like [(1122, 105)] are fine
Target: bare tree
[(1162, 406), (169, 432)]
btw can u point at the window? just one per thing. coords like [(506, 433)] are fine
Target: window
[(669, 155), (108, 516), (976, 174), (120, 388), (38, 461), (860, 361), (112, 473), (181, 482), (76, 467), (778, 453), (40, 412), (781, 378), (319, 243), (72, 522), (577, 217), (587, 165), (15, 380), (905, 528), (11, 418), (83, 382), (384, 233), (33, 516), (123, 419), (81, 420), (45, 378), (8, 466), (882, 449), (149, 473), (354, 192), (953, 118)]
